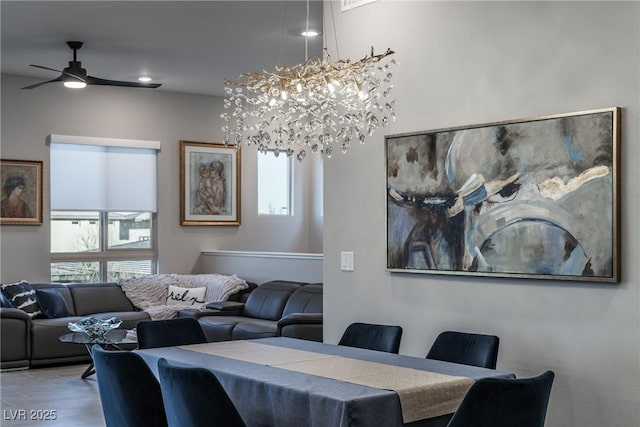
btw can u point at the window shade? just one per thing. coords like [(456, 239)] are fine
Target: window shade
[(103, 175)]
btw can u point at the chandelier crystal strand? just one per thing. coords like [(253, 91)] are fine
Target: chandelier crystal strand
[(319, 106)]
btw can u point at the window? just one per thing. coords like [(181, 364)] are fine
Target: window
[(274, 184), (80, 254), (103, 209)]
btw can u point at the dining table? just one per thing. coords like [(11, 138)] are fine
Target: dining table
[(288, 382)]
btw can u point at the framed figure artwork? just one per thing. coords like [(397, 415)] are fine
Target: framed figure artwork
[(209, 184), (21, 202), (529, 198)]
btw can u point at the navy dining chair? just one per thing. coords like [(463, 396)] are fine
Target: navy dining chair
[(129, 392), (372, 336), (465, 348), (505, 402), (194, 397), (168, 333)]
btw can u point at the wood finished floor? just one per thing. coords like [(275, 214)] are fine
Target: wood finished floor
[(76, 401)]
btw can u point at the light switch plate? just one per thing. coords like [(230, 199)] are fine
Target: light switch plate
[(346, 261)]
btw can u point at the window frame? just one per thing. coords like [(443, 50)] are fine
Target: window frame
[(104, 255), (290, 184)]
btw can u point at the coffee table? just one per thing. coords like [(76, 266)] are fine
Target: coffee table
[(114, 339)]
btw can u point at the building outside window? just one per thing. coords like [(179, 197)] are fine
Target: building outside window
[(81, 253)]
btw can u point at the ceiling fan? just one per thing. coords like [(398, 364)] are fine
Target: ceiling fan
[(74, 76)]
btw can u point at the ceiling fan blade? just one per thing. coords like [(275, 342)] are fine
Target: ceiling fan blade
[(74, 74), (59, 79), (45, 68), (97, 81)]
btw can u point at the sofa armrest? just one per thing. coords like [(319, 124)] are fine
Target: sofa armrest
[(301, 319), (15, 339), (227, 308), (307, 326), (196, 314), (14, 313)]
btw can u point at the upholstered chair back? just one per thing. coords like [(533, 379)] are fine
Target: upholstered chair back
[(465, 348), (373, 337), (502, 402), (170, 332), (194, 397), (129, 392)]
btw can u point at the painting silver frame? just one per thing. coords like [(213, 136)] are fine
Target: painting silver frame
[(204, 201), (534, 198)]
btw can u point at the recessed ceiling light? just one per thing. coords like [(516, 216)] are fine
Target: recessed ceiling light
[(310, 33), (144, 79)]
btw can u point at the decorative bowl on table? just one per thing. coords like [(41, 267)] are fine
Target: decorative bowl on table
[(96, 329)]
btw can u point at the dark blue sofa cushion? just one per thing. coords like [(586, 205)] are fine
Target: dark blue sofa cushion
[(52, 304)]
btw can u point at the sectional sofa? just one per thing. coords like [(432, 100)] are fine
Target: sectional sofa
[(276, 308), (273, 308), (33, 342)]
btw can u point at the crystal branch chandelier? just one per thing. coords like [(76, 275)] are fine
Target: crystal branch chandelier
[(319, 105)]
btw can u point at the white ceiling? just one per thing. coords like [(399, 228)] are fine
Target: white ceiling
[(188, 46)]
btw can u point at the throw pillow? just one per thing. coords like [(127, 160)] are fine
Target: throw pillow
[(185, 296), (21, 295), (4, 302), (52, 304)]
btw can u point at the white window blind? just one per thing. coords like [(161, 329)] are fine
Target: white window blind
[(103, 174)]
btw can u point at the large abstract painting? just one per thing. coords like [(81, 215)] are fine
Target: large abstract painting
[(532, 198)]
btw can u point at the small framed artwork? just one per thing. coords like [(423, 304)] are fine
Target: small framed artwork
[(532, 198), (21, 201), (209, 184)]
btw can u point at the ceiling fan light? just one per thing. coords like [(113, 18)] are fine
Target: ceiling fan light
[(75, 84)]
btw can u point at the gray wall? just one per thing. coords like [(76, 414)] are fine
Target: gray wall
[(28, 116), (476, 62), (261, 267)]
